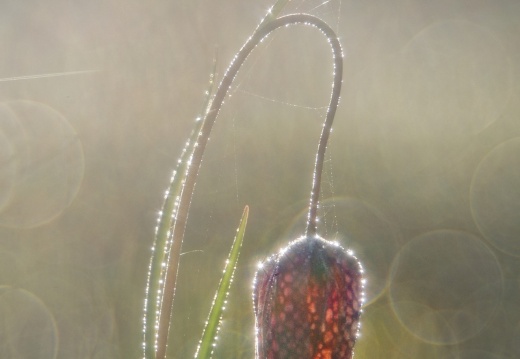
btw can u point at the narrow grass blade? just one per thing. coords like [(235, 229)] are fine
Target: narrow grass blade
[(206, 345), (162, 244)]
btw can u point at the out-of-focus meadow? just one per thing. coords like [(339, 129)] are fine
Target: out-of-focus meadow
[(422, 178)]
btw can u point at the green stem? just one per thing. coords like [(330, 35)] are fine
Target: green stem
[(161, 246), (195, 160)]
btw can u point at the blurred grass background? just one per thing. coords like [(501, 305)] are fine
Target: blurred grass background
[(422, 178)]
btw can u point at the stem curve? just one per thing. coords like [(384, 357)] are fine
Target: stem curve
[(196, 158)]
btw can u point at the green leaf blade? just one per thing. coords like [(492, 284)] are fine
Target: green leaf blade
[(161, 246), (206, 345)]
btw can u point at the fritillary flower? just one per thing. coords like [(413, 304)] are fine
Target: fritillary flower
[(308, 301), (308, 297)]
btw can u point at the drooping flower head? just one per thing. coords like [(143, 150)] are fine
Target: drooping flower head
[(307, 301)]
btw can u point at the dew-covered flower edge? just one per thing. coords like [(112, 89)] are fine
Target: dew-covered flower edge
[(330, 268)]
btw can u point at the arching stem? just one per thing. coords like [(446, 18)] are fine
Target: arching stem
[(195, 161)]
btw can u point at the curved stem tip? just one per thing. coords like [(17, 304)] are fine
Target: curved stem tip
[(196, 158)]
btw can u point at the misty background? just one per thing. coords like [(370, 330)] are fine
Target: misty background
[(422, 178)]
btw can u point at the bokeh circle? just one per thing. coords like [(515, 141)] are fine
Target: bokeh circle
[(27, 328), (42, 164), (426, 102), (10, 133), (445, 286), (495, 196), (383, 336)]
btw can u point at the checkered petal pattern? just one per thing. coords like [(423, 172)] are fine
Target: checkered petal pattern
[(307, 302)]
